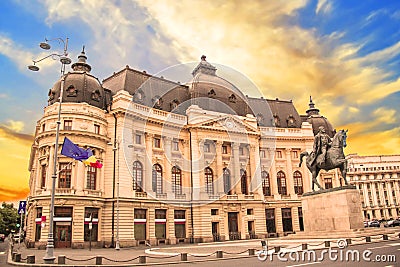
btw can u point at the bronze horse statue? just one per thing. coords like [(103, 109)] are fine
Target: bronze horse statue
[(334, 159)]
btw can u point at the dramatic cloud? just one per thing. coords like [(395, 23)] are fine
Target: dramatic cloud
[(13, 194)]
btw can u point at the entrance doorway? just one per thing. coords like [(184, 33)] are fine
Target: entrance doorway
[(215, 231), (287, 220), (233, 226), (270, 220), (62, 236)]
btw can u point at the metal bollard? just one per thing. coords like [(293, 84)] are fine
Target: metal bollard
[(183, 256), (142, 259), (30, 259), (13, 256), (304, 246), (277, 249), (99, 260), (367, 239), (61, 259), (18, 257), (348, 240), (252, 251), (385, 237), (220, 254), (327, 244)]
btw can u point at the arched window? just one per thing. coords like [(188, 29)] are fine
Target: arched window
[(243, 182), (298, 183), (137, 175), (176, 180), (157, 179), (265, 183), (281, 179), (208, 177), (227, 181)]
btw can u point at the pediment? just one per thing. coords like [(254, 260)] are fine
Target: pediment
[(229, 124)]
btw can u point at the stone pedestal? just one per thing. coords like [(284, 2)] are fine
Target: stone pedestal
[(332, 210)]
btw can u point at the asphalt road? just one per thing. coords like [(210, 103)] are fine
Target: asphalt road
[(373, 254)]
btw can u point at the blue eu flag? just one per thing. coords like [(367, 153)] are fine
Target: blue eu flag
[(69, 149)]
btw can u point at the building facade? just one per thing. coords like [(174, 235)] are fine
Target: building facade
[(194, 162), (378, 180)]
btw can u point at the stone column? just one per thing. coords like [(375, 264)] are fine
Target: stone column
[(195, 166), (255, 170), (219, 170), (278, 221), (148, 163), (236, 169), (289, 180), (295, 219), (273, 181), (375, 199), (167, 175)]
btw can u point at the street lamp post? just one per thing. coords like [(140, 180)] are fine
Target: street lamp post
[(116, 149), (65, 60)]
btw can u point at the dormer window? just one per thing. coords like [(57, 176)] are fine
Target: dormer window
[(96, 95), (51, 94), (260, 118), (157, 102), (291, 121), (211, 93), (174, 104), (71, 91), (277, 120), (138, 96), (232, 98)]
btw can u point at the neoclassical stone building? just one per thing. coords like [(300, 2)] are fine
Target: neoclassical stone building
[(197, 162), (378, 179)]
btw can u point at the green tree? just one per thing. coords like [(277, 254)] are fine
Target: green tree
[(9, 218)]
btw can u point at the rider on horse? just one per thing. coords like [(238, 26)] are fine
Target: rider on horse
[(322, 142)]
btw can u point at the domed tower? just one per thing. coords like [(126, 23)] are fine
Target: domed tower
[(317, 120), (211, 92), (80, 86)]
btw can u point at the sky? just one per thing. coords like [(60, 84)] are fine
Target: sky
[(343, 53)]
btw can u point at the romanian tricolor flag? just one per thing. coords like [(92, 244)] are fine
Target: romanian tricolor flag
[(71, 150)]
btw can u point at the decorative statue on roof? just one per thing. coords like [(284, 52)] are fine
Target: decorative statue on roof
[(327, 154)]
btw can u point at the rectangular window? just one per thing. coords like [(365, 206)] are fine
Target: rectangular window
[(161, 216), (263, 154), (279, 154), (224, 149), (97, 129), (207, 148), (175, 146), (43, 127), (180, 222), (250, 211), (67, 125), (64, 180), (241, 151), (214, 211), (328, 183), (91, 178), (138, 139), (140, 224), (91, 221), (38, 222), (157, 142), (295, 154), (43, 174)]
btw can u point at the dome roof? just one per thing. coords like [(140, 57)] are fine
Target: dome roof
[(207, 89), (79, 86), (317, 120)]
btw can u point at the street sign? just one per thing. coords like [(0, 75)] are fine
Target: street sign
[(22, 207)]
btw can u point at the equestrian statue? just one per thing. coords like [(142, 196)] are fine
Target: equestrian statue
[(327, 154)]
